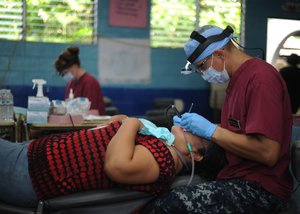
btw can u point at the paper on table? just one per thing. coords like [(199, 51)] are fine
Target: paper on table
[(91, 117)]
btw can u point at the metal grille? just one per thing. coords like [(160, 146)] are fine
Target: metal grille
[(11, 20), (49, 20), (172, 21)]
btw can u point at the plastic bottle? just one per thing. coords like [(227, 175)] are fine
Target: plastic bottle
[(70, 102), (39, 83), (5, 116), (7, 107), (2, 105), (71, 95), (10, 106)]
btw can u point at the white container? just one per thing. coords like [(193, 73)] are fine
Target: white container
[(38, 117), (38, 103)]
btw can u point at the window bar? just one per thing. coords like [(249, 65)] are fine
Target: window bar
[(23, 34), (95, 31), (197, 23)]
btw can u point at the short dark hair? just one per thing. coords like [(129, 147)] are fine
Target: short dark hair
[(293, 59), (213, 161), (66, 59)]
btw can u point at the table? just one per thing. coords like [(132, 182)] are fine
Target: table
[(8, 130), (40, 130)]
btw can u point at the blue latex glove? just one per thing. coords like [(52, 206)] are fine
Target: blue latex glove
[(198, 125), (176, 120)]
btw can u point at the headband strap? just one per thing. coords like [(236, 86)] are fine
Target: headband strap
[(205, 42)]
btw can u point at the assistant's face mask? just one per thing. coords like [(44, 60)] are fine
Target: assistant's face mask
[(159, 132), (213, 76), (68, 76)]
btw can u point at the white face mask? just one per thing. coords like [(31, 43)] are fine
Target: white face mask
[(213, 76), (159, 132), (68, 76)]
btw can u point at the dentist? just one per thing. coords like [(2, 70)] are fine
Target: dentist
[(255, 132)]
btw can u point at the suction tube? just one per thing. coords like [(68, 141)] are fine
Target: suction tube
[(191, 152), (193, 164)]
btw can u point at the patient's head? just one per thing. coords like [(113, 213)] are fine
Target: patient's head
[(209, 157), (213, 161)]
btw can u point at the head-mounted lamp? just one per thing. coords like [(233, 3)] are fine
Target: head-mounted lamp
[(186, 70)]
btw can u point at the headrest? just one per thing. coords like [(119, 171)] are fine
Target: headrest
[(204, 42)]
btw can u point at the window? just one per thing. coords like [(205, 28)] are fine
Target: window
[(49, 20), (291, 45), (172, 21), (283, 39), (11, 23)]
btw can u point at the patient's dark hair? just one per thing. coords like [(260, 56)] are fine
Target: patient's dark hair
[(66, 59), (213, 161)]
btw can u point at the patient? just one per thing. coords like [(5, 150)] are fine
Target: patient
[(115, 155)]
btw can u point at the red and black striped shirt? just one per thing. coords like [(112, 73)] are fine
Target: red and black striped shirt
[(73, 162)]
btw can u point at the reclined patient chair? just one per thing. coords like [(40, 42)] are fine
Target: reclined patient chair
[(120, 200), (96, 201)]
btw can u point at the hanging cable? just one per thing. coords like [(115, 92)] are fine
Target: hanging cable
[(260, 49), (193, 164)]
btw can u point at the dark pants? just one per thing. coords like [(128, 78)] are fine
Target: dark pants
[(229, 196)]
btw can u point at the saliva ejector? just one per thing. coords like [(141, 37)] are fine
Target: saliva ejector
[(187, 144)]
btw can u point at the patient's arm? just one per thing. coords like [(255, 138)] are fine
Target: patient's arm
[(126, 162), (118, 117)]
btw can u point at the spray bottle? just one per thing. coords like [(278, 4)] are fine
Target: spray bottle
[(39, 83)]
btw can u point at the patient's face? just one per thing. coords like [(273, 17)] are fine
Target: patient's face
[(182, 138)]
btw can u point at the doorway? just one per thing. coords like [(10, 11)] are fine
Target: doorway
[(283, 39)]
